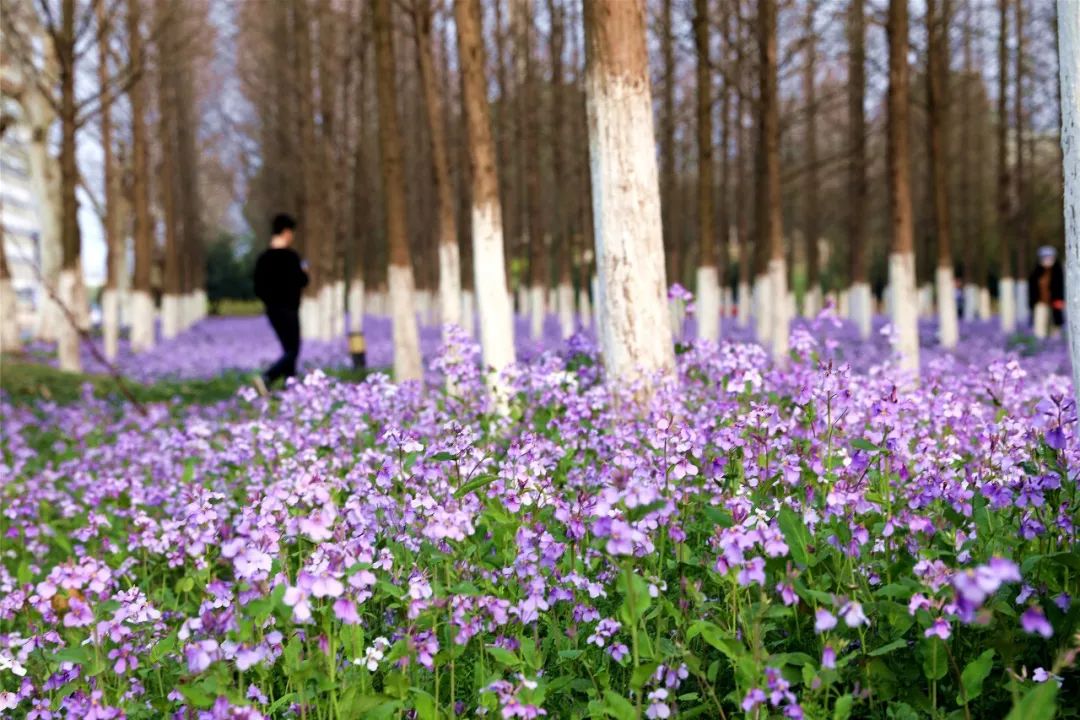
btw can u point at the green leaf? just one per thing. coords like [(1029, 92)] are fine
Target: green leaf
[(865, 445), (424, 705), (796, 535), (281, 702), (474, 484), (713, 635), (719, 517), (73, 654), (886, 649), (973, 675), (639, 512), (935, 662), (504, 656), (842, 709), (196, 695), (1039, 703), (642, 673), (618, 707)]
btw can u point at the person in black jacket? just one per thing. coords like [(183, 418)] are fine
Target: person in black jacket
[(280, 278), (1046, 293)]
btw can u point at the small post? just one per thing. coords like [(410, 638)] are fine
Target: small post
[(358, 350)]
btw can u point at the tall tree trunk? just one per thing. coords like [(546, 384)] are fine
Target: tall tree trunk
[(1007, 284), (811, 226), (902, 248), (969, 187), (742, 192), (672, 241), (142, 303), (938, 16), (723, 210), (407, 365), (1069, 72), (1021, 221), (312, 228), (449, 258), (110, 300), (493, 299), (328, 70), (635, 328), (70, 241), (528, 115), (769, 222), (9, 326), (559, 139), (170, 188), (708, 285), (860, 300)]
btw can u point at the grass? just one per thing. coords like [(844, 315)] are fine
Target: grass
[(25, 382)]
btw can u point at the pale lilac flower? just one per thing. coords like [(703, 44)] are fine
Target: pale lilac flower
[(824, 621)]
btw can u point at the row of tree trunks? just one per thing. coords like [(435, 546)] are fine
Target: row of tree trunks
[(938, 15), (904, 302)]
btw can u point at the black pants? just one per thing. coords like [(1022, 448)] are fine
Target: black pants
[(286, 324)]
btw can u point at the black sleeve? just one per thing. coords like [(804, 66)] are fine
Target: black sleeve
[(260, 278), (1057, 283), (302, 280)]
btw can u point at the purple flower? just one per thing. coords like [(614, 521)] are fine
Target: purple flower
[(824, 621), (753, 698), (1033, 621), (753, 572), (345, 611), (828, 658), (939, 628)]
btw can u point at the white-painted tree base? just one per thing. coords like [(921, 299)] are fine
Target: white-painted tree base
[(948, 326), (762, 311), (9, 323), (492, 297), (537, 311), (861, 305), (356, 305), (986, 306), (812, 302), (585, 313), (1007, 305), (172, 308), (450, 306), (744, 304), (708, 304), (407, 364), (110, 322), (68, 333), (842, 304), (521, 301), (727, 303), (1023, 310), (142, 321), (905, 308), (971, 301), (926, 300), (1041, 320), (1069, 71), (564, 301), (597, 308), (468, 312), (781, 308)]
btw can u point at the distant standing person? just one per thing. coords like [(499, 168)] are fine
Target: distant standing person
[(1046, 293), (280, 278)]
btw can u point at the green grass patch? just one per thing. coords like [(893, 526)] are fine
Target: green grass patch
[(25, 382)]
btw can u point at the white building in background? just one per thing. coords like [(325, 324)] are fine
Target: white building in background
[(19, 215)]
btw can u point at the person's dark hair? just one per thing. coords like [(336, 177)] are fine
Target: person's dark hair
[(281, 223)]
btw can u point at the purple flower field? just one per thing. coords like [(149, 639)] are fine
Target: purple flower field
[(823, 541)]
